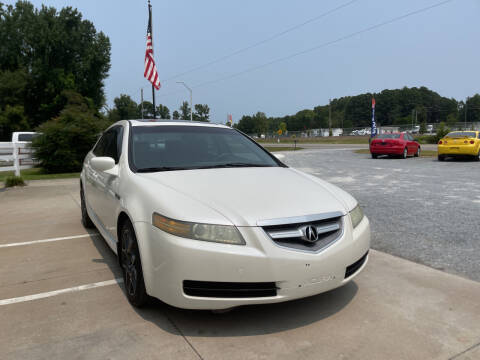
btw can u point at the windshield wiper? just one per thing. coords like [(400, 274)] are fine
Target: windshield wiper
[(161, 168), (232, 165)]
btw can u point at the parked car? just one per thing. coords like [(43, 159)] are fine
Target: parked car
[(459, 143), (23, 136), (199, 217), (398, 144)]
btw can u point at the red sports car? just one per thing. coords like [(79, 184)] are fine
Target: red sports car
[(400, 144)]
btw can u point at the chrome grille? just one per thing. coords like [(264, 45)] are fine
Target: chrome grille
[(298, 235)]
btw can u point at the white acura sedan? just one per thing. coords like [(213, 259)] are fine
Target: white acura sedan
[(202, 217)]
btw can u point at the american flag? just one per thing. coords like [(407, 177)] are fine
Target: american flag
[(150, 72)]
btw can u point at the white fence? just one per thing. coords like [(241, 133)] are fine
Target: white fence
[(15, 156)]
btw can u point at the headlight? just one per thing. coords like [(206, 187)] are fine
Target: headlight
[(356, 215), (206, 232)]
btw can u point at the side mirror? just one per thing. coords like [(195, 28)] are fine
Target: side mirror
[(102, 163), (279, 156)]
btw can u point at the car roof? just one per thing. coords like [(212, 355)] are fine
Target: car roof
[(158, 122)]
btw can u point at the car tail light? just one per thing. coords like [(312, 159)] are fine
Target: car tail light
[(440, 142), (472, 142), (465, 142)]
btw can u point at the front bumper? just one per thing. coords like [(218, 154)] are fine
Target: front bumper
[(452, 150), (168, 261)]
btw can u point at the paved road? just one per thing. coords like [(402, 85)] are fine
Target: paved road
[(59, 300), (420, 209)]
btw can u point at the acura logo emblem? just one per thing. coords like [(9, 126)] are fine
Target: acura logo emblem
[(311, 233)]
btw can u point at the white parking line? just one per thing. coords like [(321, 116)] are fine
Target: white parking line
[(47, 240), (59, 292)]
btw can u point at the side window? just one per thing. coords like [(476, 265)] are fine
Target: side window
[(110, 144), (99, 149), (114, 147)]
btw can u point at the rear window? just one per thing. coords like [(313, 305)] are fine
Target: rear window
[(461, 134), (388, 136), (26, 137)]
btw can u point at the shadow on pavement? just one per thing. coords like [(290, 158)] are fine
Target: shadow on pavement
[(252, 319)]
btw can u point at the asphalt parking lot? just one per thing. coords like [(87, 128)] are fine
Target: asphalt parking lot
[(420, 209), (61, 295)]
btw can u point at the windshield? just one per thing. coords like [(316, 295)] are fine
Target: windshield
[(388, 136), (461, 134), (173, 147)]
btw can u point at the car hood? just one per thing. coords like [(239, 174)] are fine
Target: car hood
[(245, 196)]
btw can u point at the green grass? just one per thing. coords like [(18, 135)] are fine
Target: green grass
[(37, 174), (281, 148), (423, 153), (320, 140)]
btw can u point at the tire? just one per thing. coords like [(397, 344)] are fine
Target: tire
[(441, 158), (477, 157), (405, 153), (132, 266), (417, 154), (374, 156), (86, 221)]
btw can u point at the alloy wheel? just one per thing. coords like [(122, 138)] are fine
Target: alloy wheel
[(129, 261)]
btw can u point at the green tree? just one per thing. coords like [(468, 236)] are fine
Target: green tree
[(423, 127), (185, 111), (124, 109), (202, 112), (12, 98), (260, 121), (441, 131), (176, 115), (246, 125), (451, 120), (147, 110), (163, 112), (283, 127), (66, 139), (12, 118), (55, 51)]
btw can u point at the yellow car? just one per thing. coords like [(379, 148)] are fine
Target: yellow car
[(459, 143)]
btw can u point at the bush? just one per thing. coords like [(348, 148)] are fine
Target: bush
[(14, 181), (66, 140), (442, 130)]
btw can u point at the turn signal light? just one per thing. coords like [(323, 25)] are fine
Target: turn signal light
[(440, 142)]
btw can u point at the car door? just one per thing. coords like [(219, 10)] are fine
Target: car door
[(410, 143), (107, 183), (92, 186)]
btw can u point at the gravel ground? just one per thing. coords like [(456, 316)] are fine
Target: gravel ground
[(420, 209)]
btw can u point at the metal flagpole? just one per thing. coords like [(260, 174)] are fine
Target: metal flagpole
[(151, 34), (141, 99)]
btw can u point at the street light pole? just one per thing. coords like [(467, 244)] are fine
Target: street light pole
[(191, 101)]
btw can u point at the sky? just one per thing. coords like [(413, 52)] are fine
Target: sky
[(437, 48)]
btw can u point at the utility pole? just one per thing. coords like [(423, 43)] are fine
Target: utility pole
[(466, 113), (413, 112), (141, 99), (329, 117), (191, 101)]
